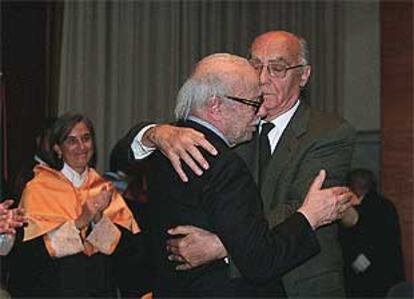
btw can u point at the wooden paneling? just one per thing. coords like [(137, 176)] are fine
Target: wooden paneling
[(397, 134)]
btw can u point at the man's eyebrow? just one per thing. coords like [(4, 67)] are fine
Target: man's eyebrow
[(278, 60), (275, 60)]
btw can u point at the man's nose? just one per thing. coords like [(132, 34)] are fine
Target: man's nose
[(264, 75), (262, 112)]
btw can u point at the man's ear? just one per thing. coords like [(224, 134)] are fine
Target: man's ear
[(214, 106), (305, 75)]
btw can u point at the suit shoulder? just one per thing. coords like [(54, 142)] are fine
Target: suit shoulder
[(327, 119), (328, 122), (226, 156)]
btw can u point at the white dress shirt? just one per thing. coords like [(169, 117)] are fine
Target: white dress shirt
[(280, 123), (73, 176)]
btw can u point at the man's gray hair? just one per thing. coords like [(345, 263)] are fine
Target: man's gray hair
[(213, 76), (304, 51), (195, 93)]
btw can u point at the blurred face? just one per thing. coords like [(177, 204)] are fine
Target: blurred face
[(270, 53), (77, 149)]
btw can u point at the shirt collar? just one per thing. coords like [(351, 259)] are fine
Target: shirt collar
[(74, 177), (209, 126), (282, 120)]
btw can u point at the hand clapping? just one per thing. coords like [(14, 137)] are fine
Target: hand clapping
[(101, 201), (10, 219), (94, 206)]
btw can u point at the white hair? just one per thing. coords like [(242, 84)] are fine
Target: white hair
[(195, 93), (213, 76), (303, 51)]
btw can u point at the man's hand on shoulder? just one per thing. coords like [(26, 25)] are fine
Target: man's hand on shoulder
[(180, 144)]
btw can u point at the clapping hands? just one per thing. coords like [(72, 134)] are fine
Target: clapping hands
[(101, 201), (94, 206), (10, 219)]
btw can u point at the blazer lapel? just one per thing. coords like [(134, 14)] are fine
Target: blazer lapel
[(285, 150), (248, 151)]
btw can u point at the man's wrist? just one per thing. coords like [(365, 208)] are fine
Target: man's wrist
[(312, 222), (147, 139), (221, 250), (139, 149)]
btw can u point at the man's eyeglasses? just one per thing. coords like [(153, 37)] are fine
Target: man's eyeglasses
[(256, 103), (275, 69)]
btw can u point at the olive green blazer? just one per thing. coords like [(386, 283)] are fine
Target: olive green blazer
[(313, 140)]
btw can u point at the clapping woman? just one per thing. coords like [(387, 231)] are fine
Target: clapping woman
[(76, 220)]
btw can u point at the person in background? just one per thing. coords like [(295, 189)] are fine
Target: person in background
[(10, 220), (78, 225), (371, 240), (15, 189), (40, 157)]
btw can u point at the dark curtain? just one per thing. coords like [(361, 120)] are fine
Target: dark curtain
[(30, 45)]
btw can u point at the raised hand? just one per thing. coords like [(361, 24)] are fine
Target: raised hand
[(180, 144), (102, 201)]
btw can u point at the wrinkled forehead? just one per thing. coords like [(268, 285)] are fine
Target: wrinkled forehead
[(276, 48)]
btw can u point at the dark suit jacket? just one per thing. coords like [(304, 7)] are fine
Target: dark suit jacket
[(312, 140), (225, 201)]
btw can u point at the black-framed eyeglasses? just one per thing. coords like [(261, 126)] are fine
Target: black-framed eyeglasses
[(275, 69), (256, 103)]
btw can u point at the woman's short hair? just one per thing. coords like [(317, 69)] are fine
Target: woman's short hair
[(60, 131)]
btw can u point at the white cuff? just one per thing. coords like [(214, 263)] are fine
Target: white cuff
[(65, 240), (139, 150)]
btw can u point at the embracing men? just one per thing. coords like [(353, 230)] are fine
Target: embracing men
[(302, 142)]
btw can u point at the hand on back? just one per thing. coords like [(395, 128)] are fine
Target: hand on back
[(323, 206)]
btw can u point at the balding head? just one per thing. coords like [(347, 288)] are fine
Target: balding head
[(294, 45), (224, 91), (215, 75), (280, 58), (230, 69)]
